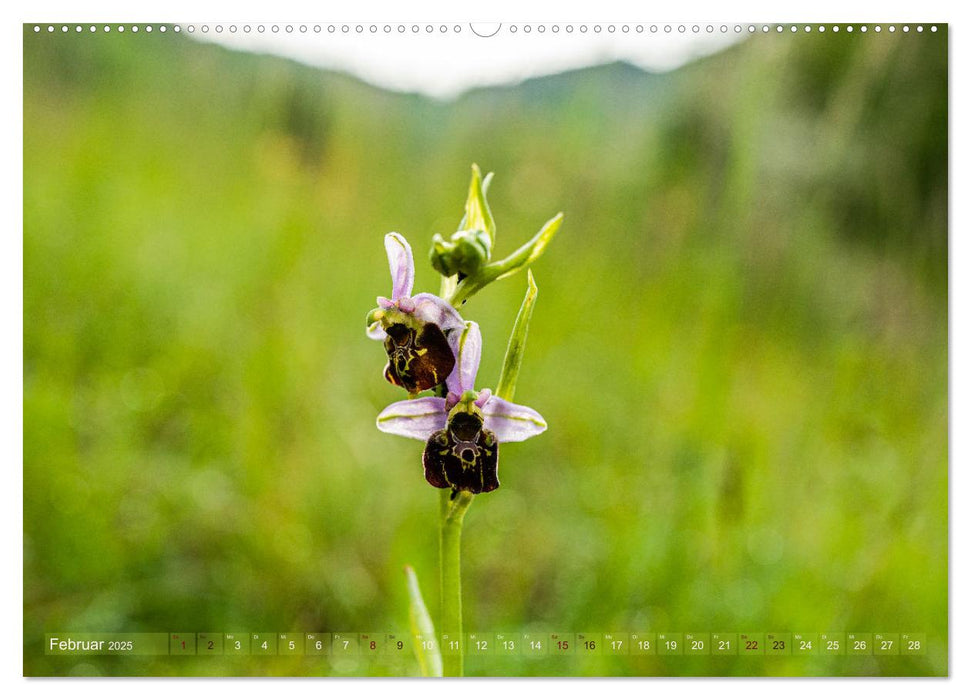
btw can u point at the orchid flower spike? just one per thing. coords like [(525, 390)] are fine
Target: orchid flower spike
[(462, 431), (414, 329)]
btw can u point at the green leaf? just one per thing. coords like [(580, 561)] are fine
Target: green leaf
[(430, 660), (517, 342), (510, 265)]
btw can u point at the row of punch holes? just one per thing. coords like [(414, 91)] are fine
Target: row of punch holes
[(457, 29)]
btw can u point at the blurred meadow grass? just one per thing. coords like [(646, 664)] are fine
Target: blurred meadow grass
[(740, 345)]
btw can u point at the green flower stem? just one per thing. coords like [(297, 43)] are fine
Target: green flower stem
[(450, 551)]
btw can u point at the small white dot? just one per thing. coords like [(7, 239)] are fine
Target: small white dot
[(541, 29), (148, 28), (317, 28), (639, 29), (738, 29), (863, 28), (458, 29), (779, 28), (64, 28), (513, 30), (906, 28), (724, 29), (709, 29), (849, 28), (934, 28), (822, 28), (36, 28), (808, 29), (163, 29), (232, 28), (765, 28), (653, 29), (527, 29), (625, 29), (107, 28), (134, 28), (877, 29), (794, 29), (836, 29), (751, 28), (920, 28), (92, 28), (891, 28), (78, 29), (177, 29)]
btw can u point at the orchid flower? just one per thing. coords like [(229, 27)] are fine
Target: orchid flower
[(463, 430), (414, 328)]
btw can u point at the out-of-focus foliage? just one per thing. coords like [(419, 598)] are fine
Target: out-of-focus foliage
[(740, 348)]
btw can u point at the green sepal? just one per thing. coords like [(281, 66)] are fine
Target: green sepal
[(478, 216), (526, 254), (517, 342), (429, 660), (465, 253)]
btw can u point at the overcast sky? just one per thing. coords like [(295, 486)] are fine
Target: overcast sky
[(446, 63)]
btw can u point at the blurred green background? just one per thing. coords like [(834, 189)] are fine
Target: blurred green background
[(740, 346)]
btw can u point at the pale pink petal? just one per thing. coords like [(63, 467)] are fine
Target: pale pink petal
[(376, 332), (415, 418), (432, 309), (512, 422), (467, 348), (402, 265)]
